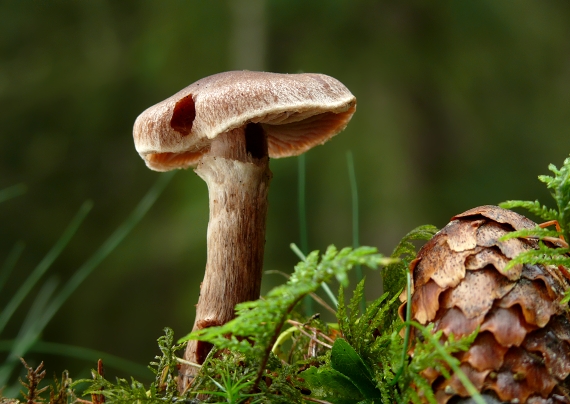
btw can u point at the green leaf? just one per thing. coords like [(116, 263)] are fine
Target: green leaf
[(345, 360), (331, 385)]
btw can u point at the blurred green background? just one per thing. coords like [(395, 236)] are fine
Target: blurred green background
[(459, 104)]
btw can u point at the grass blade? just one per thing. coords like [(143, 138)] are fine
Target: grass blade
[(12, 192), (10, 262), (43, 266), (108, 246), (28, 333), (303, 233), (42, 312), (90, 355)]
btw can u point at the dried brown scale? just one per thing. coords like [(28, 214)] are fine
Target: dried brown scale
[(508, 388), (552, 284), (445, 267), (462, 235), (453, 321), (522, 351), (533, 299), (554, 352), (476, 293), (491, 256), (425, 301), (518, 222), (507, 325), (485, 353), (528, 368), (560, 326), (488, 236), (454, 384)]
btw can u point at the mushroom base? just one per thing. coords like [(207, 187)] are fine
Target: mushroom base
[(236, 241)]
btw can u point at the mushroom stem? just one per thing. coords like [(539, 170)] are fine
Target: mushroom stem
[(237, 173)]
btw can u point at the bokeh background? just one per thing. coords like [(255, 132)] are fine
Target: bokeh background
[(459, 104)]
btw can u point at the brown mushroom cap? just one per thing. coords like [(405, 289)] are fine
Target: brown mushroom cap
[(296, 111)]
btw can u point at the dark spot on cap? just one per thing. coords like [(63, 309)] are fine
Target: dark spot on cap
[(255, 141), (183, 115)]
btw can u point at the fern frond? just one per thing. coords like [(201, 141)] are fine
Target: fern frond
[(260, 320), (165, 369), (536, 233), (354, 312), (359, 329), (342, 316), (543, 255), (394, 276), (432, 353), (405, 248), (536, 208), (121, 392), (258, 323), (559, 186)]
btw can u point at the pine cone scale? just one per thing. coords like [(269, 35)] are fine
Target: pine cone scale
[(494, 257), (537, 308), (485, 353), (477, 292)]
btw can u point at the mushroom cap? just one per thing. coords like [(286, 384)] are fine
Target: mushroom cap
[(296, 111)]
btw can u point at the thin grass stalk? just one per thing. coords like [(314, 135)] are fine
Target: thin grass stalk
[(355, 220), (302, 204), (303, 232), (36, 311)]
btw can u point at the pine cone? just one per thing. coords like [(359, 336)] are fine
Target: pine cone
[(522, 351)]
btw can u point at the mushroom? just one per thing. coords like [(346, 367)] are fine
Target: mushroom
[(228, 125)]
